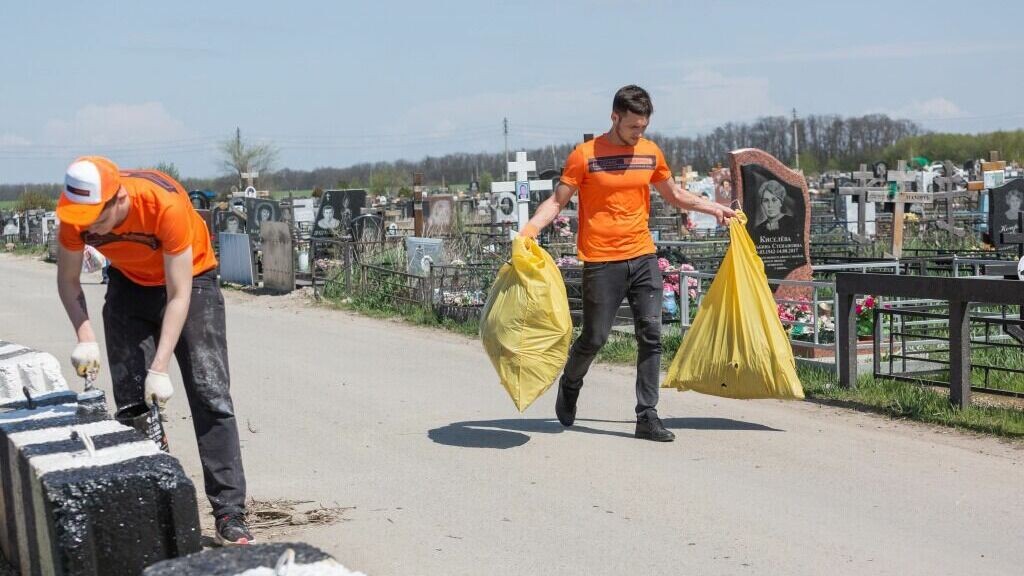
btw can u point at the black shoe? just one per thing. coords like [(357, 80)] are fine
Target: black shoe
[(233, 531), (653, 429), (565, 405)]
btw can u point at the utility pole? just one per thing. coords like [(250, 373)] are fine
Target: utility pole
[(505, 123), (796, 140)]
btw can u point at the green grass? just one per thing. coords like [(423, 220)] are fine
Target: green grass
[(29, 250), (8, 204), (913, 402)]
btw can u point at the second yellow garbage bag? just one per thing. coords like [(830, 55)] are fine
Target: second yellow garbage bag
[(525, 326), (736, 347)]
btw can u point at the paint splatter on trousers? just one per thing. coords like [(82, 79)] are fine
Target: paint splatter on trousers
[(132, 317)]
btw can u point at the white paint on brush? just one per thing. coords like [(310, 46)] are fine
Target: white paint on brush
[(64, 432), (46, 463)]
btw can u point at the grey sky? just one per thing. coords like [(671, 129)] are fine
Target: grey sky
[(335, 83)]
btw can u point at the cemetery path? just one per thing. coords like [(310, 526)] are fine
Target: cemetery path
[(409, 426)]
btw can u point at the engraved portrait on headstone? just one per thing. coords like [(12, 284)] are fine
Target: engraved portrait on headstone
[(776, 202), (1005, 202), (259, 211), (338, 208)]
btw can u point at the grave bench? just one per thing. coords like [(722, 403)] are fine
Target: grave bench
[(81, 494)]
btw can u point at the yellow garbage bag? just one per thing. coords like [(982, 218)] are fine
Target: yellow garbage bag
[(525, 326), (736, 347)]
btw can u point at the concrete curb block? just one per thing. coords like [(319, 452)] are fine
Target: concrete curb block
[(82, 494)]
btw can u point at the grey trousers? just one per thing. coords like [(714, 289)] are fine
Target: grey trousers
[(605, 285)]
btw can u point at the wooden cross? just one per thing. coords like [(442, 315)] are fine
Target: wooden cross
[(898, 193), (417, 203), (866, 184), (522, 185)]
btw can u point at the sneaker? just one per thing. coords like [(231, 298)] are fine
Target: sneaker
[(232, 531), (653, 429), (565, 405)]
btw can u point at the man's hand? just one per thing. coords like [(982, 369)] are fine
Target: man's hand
[(86, 359), (723, 214), (158, 389), (529, 231)]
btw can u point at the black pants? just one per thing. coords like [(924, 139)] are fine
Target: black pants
[(605, 285), (132, 316)]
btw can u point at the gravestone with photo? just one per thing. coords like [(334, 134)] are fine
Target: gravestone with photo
[(422, 254), (1005, 203), (439, 214), (504, 207), (229, 221), (258, 211), (338, 208), (777, 204)]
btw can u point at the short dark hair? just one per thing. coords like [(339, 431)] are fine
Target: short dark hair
[(633, 99)]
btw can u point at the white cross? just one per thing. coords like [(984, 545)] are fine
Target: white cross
[(522, 168)]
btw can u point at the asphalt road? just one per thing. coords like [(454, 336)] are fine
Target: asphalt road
[(410, 427)]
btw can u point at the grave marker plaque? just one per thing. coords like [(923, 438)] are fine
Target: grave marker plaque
[(338, 208), (258, 211), (439, 212), (777, 204), (1005, 203), (423, 254), (278, 260)]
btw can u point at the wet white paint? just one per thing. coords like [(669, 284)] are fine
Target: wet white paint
[(322, 568), (64, 432)]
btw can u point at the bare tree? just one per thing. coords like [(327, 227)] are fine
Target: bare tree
[(241, 156)]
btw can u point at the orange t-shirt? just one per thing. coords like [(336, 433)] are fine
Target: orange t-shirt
[(614, 197), (160, 221)]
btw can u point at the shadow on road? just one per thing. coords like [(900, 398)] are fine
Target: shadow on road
[(510, 433)]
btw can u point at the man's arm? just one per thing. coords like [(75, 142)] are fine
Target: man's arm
[(69, 287), (684, 200), (178, 271), (548, 210)]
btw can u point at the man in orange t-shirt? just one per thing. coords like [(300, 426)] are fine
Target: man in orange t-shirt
[(613, 174), (162, 298)]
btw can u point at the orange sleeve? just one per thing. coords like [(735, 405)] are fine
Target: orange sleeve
[(575, 168), (661, 172), (174, 228), (70, 238)]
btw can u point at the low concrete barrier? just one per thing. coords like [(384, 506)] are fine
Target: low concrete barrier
[(82, 494)]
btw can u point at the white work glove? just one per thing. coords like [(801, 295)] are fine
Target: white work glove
[(158, 385), (86, 359)]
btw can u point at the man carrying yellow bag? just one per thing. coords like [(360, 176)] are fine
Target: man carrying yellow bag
[(613, 173)]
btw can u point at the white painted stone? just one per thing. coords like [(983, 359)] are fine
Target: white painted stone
[(81, 459), (322, 568), (38, 371)]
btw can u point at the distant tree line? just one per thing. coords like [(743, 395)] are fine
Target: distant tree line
[(827, 142)]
